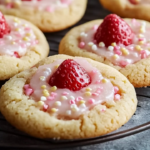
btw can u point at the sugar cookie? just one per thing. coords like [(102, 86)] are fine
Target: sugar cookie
[(66, 97), (122, 44), (48, 15)]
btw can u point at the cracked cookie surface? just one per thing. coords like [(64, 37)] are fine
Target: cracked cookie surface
[(20, 110)]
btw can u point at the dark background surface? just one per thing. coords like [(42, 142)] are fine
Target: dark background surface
[(13, 139)]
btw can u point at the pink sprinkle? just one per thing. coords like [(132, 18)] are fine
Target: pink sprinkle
[(53, 94), (103, 110), (1, 42), (81, 45), (99, 81), (143, 55), (50, 98), (45, 107), (23, 45), (116, 89), (28, 91), (142, 52), (116, 47), (72, 102), (117, 97), (91, 101), (134, 21), (141, 39), (34, 42), (18, 35), (27, 29), (65, 93), (18, 41), (79, 98), (95, 94), (98, 91), (95, 27), (131, 48), (123, 63), (100, 88), (118, 52), (66, 2), (49, 9), (26, 86), (147, 44)]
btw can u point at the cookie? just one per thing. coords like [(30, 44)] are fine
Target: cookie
[(129, 8), (48, 15), (22, 45), (92, 99), (101, 40)]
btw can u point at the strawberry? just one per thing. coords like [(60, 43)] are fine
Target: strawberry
[(114, 29), (134, 1), (70, 75), (4, 27)]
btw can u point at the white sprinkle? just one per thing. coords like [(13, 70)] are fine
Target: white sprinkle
[(43, 98), (94, 47), (64, 98), (58, 103), (42, 78), (136, 55), (83, 105), (8, 37), (74, 108), (83, 34), (68, 112), (73, 105), (15, 24), (46, 73), (110, 48), (101, 44), (72, 97), (28, 44), (48, 69), (143, 23), (58, 3), (90, 44)]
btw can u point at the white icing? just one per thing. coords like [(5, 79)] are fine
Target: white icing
[(132, 54), (20, 39), (63, 97)]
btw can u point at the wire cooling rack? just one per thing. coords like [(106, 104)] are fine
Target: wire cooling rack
[(12, 138)]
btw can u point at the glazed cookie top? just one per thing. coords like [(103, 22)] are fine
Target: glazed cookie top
[(43, 5), (67, 89), (122, 42), (16, 38)]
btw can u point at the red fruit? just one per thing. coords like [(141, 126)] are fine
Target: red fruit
[(70, 75), (16, 55), (4, 27), (133, 1), (114, 29)]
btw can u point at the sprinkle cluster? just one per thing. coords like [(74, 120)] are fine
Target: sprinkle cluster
[(44, 5), (119, 54), (66, 103), (19, 40)]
